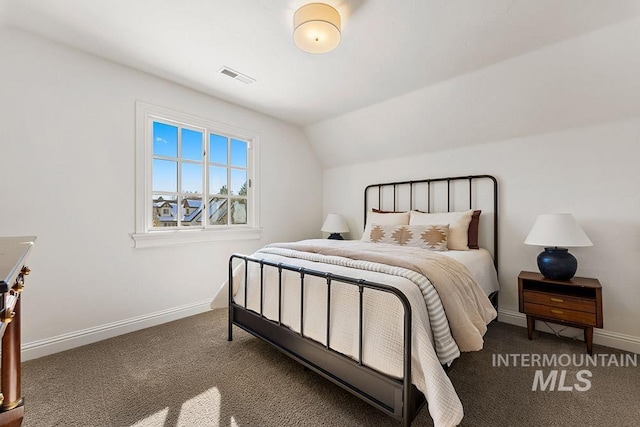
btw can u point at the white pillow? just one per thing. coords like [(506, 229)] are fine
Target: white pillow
[(391, 218), (432, 237), (458, 226)]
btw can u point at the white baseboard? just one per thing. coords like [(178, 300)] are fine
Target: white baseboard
[(40, 348), (600, 336), (35, 349)]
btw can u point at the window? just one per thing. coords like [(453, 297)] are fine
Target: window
[(195, 179)]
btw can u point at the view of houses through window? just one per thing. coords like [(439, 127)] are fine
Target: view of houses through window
[(199, 178)]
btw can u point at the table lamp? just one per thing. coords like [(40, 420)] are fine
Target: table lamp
[(557, 232), (335, 224)]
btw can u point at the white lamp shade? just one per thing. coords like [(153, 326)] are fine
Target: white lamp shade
[(557, 230), (316, 28), (335, 224)]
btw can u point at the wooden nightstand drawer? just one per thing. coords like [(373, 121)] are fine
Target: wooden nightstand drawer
[(569, 316), (560, 301)]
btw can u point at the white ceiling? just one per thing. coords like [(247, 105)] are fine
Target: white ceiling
[(389, 49)]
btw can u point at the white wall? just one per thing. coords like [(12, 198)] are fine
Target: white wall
[(67, 129), (591, 172), (592, 78)]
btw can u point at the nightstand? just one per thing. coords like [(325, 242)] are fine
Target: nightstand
[(576, 302)]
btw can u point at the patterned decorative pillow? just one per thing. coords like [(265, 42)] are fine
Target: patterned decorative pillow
[(393, 218), (472, 232), (432, 237), (458, 225)]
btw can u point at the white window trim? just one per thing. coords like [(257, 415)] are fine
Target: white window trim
[(144, 237)]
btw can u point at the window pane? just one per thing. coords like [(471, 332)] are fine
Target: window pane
[(238, 182), (217, 180), (165, 140), (191, 144), (218, 149), (164, 211), (165, 175), (238, 153), (238, 211), (192, 212), (193, 174), (218, 211), (192, 178)]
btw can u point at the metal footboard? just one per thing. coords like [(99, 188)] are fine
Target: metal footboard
[(396, 397)]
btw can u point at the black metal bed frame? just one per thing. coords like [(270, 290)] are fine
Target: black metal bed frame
[(396, 397), (429, 183)]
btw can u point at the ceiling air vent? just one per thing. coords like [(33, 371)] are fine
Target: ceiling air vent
[(236, 75)]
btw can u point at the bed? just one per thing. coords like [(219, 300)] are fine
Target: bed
[(383, 319)]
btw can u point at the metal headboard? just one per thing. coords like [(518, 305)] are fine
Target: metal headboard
[(417, 194)]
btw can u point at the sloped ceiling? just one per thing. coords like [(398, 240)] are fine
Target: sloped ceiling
[(409, 76)]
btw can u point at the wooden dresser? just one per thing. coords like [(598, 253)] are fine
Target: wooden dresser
[(14, 252)]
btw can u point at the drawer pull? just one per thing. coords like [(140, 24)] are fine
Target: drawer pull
[(7, 316), (552, 299), (554, 311)]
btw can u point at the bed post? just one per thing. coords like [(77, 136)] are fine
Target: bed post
[(229, 302), (408, 397)]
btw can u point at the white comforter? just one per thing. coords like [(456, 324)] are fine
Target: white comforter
[(383, 315)]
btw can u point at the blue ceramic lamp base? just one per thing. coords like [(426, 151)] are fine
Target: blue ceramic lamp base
[(557, 264)]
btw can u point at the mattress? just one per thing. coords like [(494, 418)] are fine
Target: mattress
[(480, 265)]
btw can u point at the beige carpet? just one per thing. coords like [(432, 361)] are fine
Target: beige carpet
[(185, 373)]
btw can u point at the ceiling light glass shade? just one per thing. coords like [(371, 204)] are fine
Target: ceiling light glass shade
[(557, 230), (316, 28)]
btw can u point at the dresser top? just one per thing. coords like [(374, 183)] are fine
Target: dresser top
[(14, 252)]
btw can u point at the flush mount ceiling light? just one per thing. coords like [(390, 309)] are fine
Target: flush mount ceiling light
[(316, 28)]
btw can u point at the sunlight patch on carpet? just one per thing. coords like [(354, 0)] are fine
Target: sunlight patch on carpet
[(156, 419), (203, 409)]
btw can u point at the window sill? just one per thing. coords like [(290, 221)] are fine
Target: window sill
[(155, 239)]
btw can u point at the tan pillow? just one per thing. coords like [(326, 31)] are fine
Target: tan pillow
[(458, 226), (432, 237), (395, 218)]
